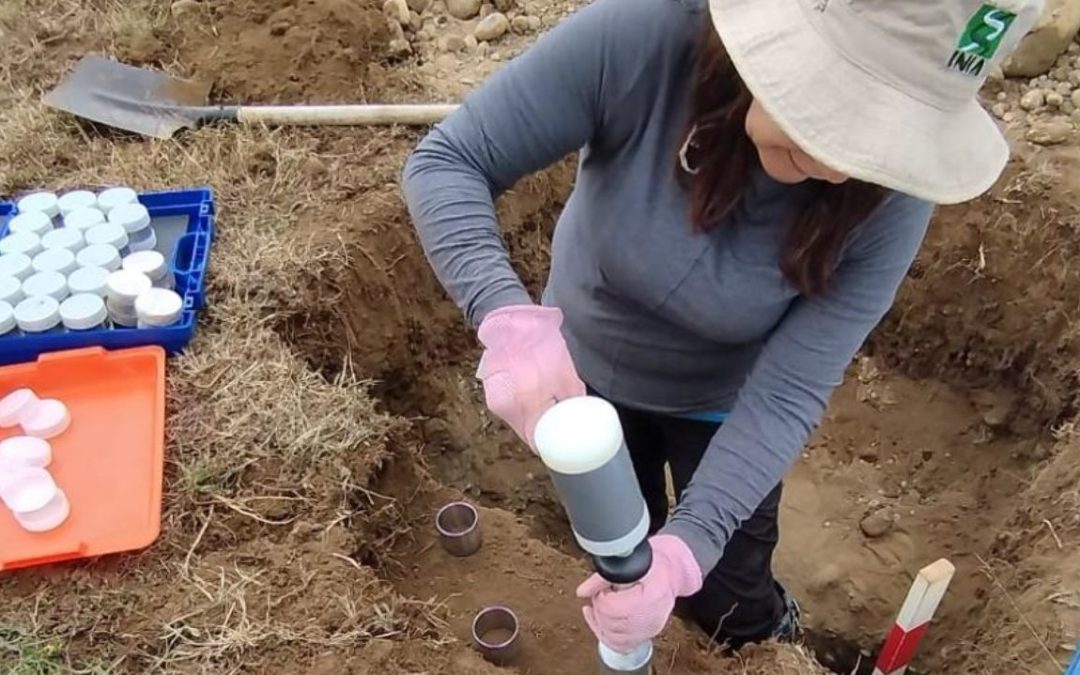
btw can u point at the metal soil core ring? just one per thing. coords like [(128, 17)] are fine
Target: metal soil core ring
[(495, 634), (458, 524)]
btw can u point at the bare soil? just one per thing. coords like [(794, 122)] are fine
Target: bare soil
[(328, 404)]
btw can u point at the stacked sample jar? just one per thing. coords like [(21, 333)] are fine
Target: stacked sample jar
[(60, 253)]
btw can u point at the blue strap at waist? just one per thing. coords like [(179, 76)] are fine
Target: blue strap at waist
[(717, 416)]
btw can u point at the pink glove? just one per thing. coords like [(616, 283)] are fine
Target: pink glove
[(623, 619), (526, 366)]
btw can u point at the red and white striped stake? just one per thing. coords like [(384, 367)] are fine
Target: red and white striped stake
[(914, 620)]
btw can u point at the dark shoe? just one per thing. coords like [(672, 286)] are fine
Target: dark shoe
[(789, 629)]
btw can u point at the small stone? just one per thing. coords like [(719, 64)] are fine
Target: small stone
[(504, 5), (400, 47), (1075, 116), (425, 35), (419, 6), (1002, 96), (1072, 48), (1067, 107), (1054, 99), (280, 27), (876, 525), (483, 49), (471, 43), (1074, 78), (398, 10), (869, 453), (1033, 99), (1075, 97), (1064, 88), (520, 25), (182, 7), (438, 7), (416, 22), (534, 23), (463, 9), (492, 28), (396, 31), (1049, 132), (1009, 117), (451, 43), (999, 110), (486, 10)]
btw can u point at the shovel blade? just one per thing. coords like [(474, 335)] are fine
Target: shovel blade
[(125, 97)]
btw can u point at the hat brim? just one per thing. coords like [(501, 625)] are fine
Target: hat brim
[(848, 119)]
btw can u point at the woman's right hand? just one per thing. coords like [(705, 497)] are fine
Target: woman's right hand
[(526, 366)]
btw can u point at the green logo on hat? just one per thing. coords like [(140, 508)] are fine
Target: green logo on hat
[(981, 39), (984, 31)]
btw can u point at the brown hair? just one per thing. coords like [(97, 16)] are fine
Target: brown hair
[(716, 159)]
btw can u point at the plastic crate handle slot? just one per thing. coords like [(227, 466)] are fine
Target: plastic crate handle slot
[(57, 553), (185, 253)]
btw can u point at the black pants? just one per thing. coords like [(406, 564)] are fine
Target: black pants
[(740, 601)]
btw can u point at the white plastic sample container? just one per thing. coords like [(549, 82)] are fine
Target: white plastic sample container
[(100, 255), (7, 318), (90, 280), (21, 242), (25, 451), (59, 260), (38, 314), (149, 243), (84, 311), (75, 200), (121, 290), (158, 307), (153, 265), (84, 219), (45, 202), (11, 290), (18, 265), (48, 419), (15, 405), (114, 197), (37, 503), (50, 284), (34, 222), (109, 234), (65, 237)]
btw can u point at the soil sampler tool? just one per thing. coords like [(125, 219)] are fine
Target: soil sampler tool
[(580, 440), (154, 104)]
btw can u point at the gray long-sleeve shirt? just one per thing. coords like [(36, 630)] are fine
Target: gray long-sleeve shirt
[(657, 317)]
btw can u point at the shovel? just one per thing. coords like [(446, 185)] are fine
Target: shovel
[(155, 104)]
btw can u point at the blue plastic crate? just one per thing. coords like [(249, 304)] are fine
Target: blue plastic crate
[(183, 217)]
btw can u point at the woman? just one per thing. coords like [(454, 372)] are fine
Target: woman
[(755, 179)]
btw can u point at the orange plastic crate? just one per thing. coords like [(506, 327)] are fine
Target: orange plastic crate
[(109, 462)]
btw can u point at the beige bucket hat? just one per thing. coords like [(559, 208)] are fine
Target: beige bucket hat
[(885, 91)]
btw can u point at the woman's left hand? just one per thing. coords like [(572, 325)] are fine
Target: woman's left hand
[(624, 618)]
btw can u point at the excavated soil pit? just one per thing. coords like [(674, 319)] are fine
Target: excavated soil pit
[(901, 473)]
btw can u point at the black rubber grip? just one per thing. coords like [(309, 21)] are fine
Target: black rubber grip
[(625, 569)]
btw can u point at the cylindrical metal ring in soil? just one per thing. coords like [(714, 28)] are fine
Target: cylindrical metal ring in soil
[(458, 524), (496, 634)]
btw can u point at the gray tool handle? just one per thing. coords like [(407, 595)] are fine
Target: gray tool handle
[(345, 115)]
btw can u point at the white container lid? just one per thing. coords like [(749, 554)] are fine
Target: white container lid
[(132, 217), (55, 260), (48, 419), (65, 237), (150, 263), (76, 199), (48, 517), (25, 451), (46, 202), (107, 233), (38, 314), (16, 404), (34, 222), (83, 312), (88, 280), (159, 307), (18, 265), (7, 318), (48, 284), (84, 219), (21, 242), (578, 435), (28, 490), (113, 197), (147, 243), (124, 286), (11, 290), (99, 255)]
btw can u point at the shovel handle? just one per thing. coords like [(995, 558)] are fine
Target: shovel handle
[(344, 115)]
